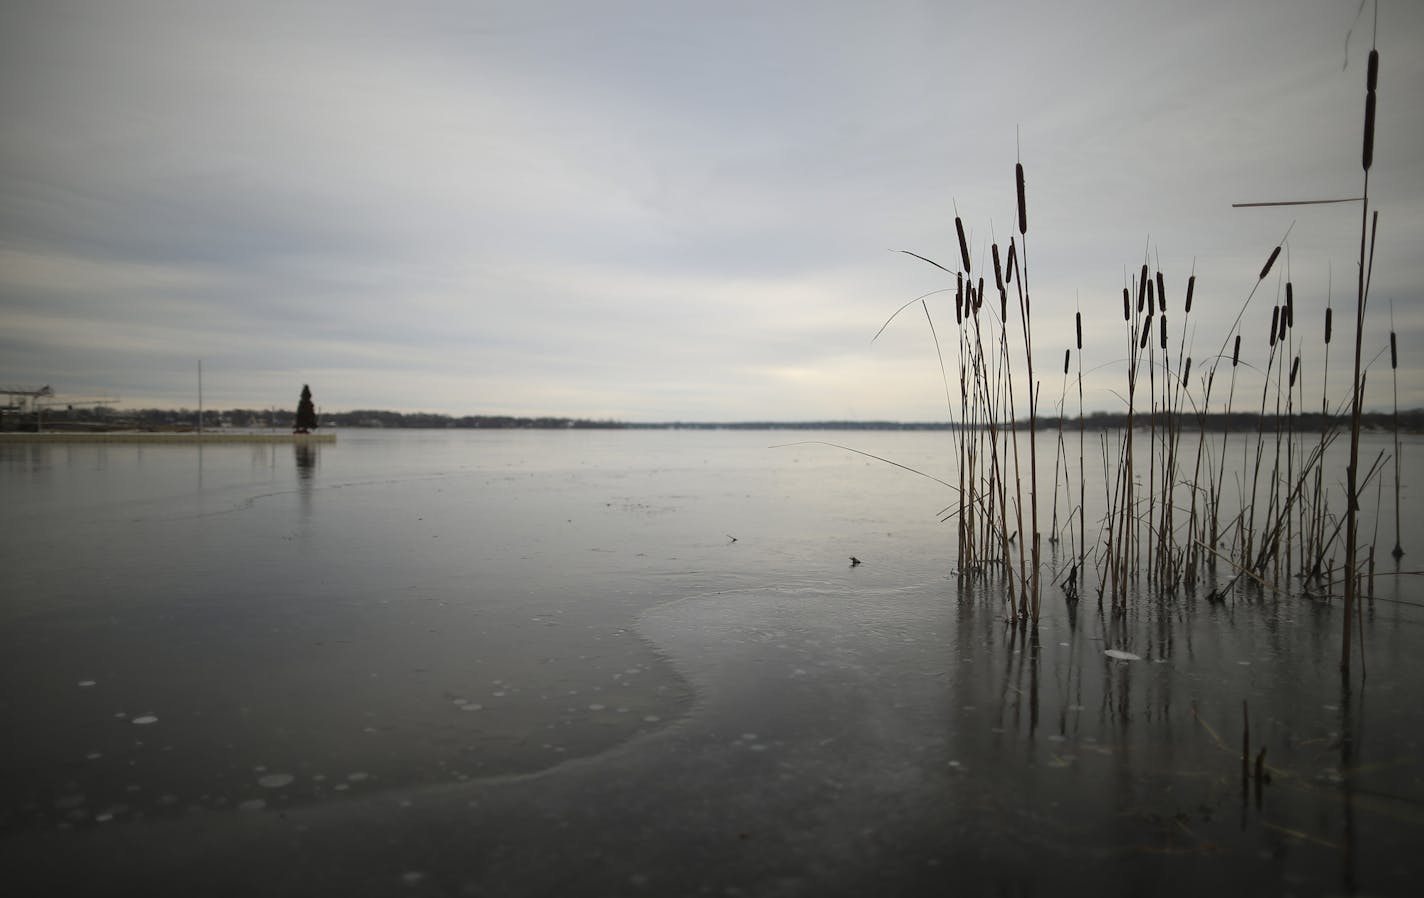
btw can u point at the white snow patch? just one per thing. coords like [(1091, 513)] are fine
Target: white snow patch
[(1120, 655)]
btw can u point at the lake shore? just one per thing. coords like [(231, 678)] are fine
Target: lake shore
[(140, 436)]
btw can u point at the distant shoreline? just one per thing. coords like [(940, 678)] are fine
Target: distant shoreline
[(191, 438)]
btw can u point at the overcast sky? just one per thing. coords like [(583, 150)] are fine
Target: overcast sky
[(664, 210)]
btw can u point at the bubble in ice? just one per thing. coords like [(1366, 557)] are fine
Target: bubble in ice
[(1120, 655), (87, 682), (145, 719), (275, 780), (596, 707), (471, 706), (412, 877), (358, 776), (252, 804)]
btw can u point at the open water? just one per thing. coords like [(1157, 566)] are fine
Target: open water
[(641, 662)]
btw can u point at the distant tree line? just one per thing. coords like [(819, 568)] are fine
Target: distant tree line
[(107, 418)]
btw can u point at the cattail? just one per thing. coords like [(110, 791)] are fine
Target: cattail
[(998, 269), (1393, 353), (1191, 285), (1370, 82), (1295, 369), (1078, 322), (1023, 208), (1264, 271), (1126, 305), (1236, 352), (1187, 371), (964, 244), (1146, 333), (1290, 305), (1003, 305), (1275, 322), (1012, 265), (978, 295), (1281, 334), (1066, 354), (1161, 294), (1327, 325), (979, 292), (1151, 304), (1164, 331), (959, 305), (1141, 289)]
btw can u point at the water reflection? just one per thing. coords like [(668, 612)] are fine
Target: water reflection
[(306, 455)]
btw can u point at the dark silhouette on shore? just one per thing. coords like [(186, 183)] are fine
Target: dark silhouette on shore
[(306, 413)]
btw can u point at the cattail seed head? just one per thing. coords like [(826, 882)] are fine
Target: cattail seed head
[(1368, 156), (998, 269), (1275, 322), (1023, 208), (1141, 288), (964, 244), (1126, 305), (1236, 352), (1281, 334), (1290, 305), (1164, 331), (1269, 262), (1187, 371), (1327, 325), (1161, 294), (1191, 286), (1146, 334), (1078, 323), (1151, 303), (1295, 369), (1372, 78), (1067, 353), (1012, 265), (1393, 353)]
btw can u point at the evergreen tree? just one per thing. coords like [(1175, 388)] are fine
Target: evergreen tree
[(306, 413)]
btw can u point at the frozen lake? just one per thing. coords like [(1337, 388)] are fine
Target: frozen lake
[(621, 662)]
